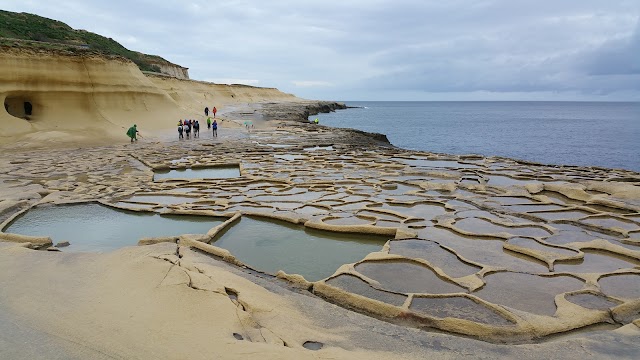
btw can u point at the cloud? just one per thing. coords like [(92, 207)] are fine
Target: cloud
[(310, 83), (380, 48), (617, 57)]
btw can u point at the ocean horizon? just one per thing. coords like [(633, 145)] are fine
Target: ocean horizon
[(574, 133)]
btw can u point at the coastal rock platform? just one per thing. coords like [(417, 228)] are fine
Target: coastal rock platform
[(545, 258)]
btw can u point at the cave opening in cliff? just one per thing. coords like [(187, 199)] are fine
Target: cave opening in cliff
[(19, 106), (28, 108)]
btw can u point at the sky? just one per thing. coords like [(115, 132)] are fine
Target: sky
[(582, 50)]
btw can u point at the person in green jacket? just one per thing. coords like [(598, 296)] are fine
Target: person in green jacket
[(133, 132), (208, 123)]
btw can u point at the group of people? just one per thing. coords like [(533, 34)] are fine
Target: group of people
[(213, 111), (185, 128)]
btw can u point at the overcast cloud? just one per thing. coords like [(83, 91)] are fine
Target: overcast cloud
[(382, 50)]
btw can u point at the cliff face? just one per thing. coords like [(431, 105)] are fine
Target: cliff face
[(196, 95), (77, 95), (62, 97), (172, 70)]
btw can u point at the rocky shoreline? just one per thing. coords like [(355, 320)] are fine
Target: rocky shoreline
[(484, 247)]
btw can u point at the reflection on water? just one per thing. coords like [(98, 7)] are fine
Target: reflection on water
[(93, 227), (271, 246), (218, 172)]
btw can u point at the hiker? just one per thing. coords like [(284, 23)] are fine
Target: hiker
[(133, 132), (208, 123), (215, 128), (206, 111), (180, 130), (196, 129), (316, 121), (214, 112), (187, 129)]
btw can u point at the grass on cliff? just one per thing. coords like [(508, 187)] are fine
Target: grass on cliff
[(38, 31)]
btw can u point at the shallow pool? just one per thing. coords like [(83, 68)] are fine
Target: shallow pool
[(270, 246), (218, 172), (94, 227)]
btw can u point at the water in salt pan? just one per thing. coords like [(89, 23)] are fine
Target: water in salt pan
[(93, 227), (218, 172), (271, 246)]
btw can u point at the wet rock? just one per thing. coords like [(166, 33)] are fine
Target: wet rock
[(460, 308), (592, 301), (355, 285)]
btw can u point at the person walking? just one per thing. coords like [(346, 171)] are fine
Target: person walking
[(196, 129), (206, 111), (215, 128), (187, 129), (133, 132), (214, 112), (180, 130), (208, 123)]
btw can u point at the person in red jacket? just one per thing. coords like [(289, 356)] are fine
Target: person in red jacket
[(214, 112)]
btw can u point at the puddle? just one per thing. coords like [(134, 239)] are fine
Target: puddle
[(561, 215), (398, 189), (232, 294), (611, 222), (482, 251), (361, 205), (591, 301), (560, 197), (531, 293), (355, 285), (533, 207), (184, 190), (407, 277), (311, 210), (273, 245), (509, 200), (422, 211), (480, 226), (436, 255), (497, 180), (531, 244), (277, 146), (316, 148), (217, 172), (162, 199), (124, 204), (350, 220), (312, 345), (596, 262), (93, 227), (289, 157), (303, 196), (458, 307), (626, 286)]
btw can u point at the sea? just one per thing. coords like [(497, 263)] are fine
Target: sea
[(603, 134)]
